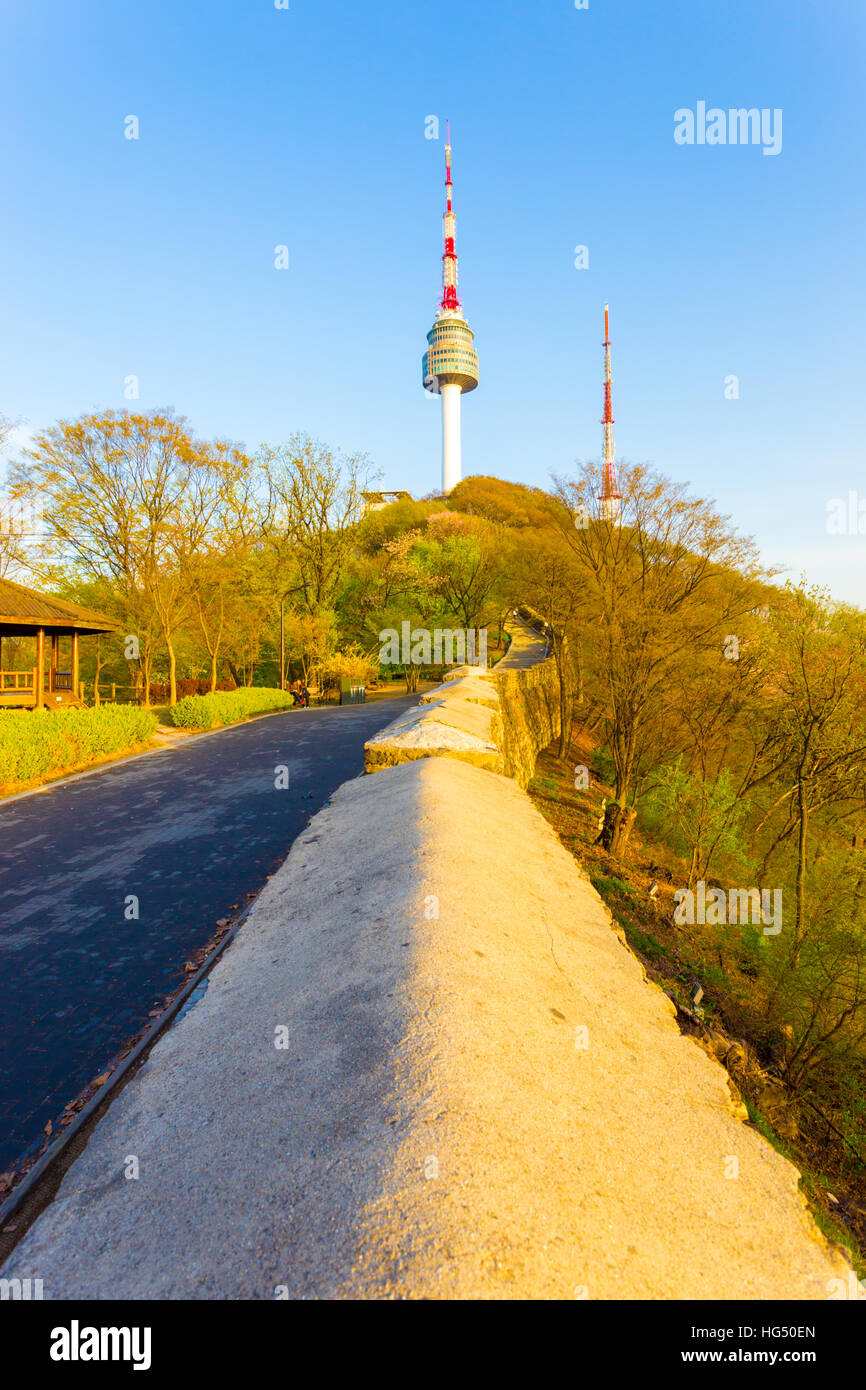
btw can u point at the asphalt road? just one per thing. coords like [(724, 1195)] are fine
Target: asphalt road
[(190, 832)]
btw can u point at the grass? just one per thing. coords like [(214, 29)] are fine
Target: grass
[(611, 887), (644, 942)]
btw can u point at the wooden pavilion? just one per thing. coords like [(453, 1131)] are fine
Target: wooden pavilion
[(27, 613)]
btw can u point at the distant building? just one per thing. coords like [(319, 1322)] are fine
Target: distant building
[(374, 500)]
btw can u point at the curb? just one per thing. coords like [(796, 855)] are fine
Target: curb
[(106, 1093)]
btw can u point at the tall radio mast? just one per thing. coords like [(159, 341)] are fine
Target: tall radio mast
[(611, 497)]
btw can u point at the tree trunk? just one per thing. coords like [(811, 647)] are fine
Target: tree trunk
[(693, 868), (172, 673), (616, 828), (578, 670), (611, 815), (147, 672), (213, 672), (803, 812), (622, 829), (623, 759)]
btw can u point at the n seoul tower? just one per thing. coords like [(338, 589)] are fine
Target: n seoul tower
[(450, 364)]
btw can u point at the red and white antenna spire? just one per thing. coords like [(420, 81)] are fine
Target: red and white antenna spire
[(450, 303), (611, 497)]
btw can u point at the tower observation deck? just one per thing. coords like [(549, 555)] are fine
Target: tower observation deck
[(450, 364)]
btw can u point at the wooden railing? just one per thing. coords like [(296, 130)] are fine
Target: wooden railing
[(109, 693), (18, 680)]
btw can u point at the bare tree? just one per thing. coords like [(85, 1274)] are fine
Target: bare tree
[(312, 505), (131, 499), (668, 580)]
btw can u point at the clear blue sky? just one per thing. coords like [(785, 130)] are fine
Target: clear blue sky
[(305, 127)]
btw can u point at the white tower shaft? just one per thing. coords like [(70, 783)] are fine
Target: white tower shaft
[(452, 463)]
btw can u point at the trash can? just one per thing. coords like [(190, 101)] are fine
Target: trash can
[(352, 694)]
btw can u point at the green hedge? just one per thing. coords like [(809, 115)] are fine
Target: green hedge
[(225, 707), (37, 743)]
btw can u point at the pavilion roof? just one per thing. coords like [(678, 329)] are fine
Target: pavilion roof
[(20, 606)]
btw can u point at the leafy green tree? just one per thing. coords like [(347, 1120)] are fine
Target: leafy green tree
[(463, 560), (706, 811)]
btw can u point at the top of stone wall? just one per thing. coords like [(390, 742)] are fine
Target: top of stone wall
[(466, 716)]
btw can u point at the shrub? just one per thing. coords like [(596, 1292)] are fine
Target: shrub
[(352, 665), (37, 743), (602, 766), (208, 711), (200, 685)]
